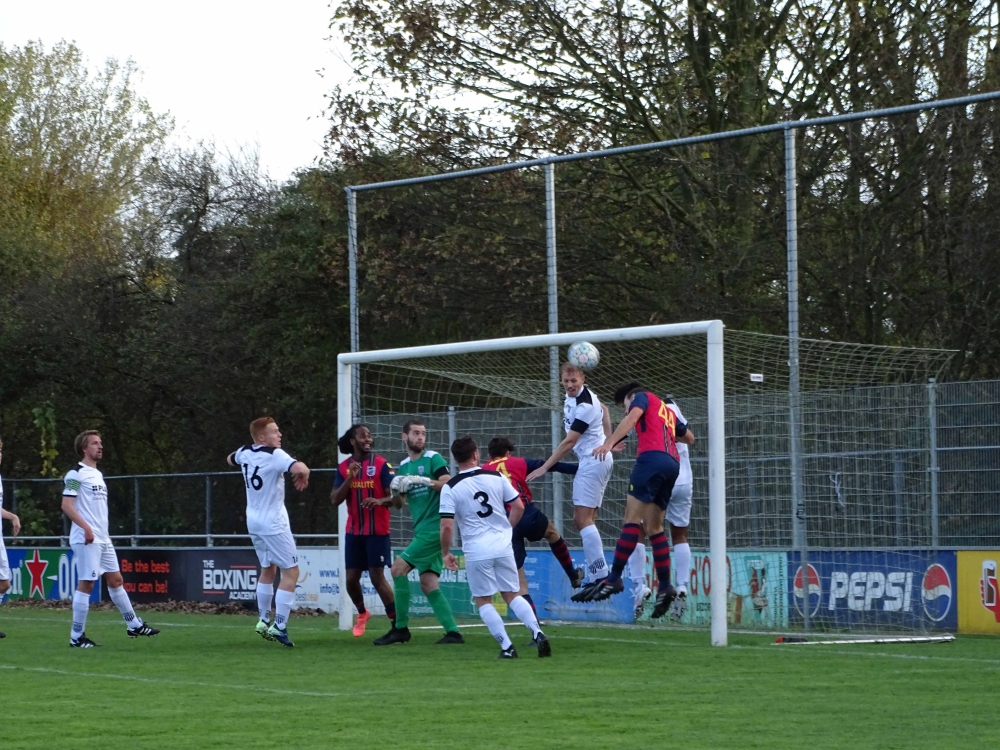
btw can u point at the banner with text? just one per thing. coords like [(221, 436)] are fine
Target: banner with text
[(911, 589), (43, 573)]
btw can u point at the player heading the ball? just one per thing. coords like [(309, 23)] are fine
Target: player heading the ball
[(586, 420), (650, 486), (264, 465), (418, 482), (85, 503), (478, 501)]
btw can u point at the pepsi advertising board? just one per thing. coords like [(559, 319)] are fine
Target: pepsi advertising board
[(915, 590)]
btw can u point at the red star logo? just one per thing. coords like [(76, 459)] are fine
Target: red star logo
[(36, 567)]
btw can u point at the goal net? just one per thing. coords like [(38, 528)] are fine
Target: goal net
[(870, 563)]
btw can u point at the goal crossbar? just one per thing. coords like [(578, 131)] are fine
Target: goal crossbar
[(713, 332)]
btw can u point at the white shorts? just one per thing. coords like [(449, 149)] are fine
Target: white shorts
[(591, 480), (276, 549), (487, 577), (94, 560), (4, 565), (679, 507)]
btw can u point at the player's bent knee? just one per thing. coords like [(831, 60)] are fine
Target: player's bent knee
[(400, 567), (4, 586), (429, 583), (85, 587), (289, 578)]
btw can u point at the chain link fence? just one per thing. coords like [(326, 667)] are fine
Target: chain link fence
[(901, 466)]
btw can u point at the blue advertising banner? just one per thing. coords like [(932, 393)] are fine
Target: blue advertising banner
[(911, 589), (550, 590), (43, 573)]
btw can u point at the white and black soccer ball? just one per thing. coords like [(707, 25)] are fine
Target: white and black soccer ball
[(583, 355)]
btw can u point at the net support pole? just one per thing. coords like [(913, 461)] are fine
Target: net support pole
[(555, 420), (933, 458), (352, 270), (717, 482), (799, 540), (345, 417)]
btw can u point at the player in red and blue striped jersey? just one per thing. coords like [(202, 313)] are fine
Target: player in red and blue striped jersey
[(363, 480), (534, 525), (656, 468)]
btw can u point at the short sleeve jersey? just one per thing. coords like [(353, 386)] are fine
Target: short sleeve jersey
[(372, 481), (423, 501), (516, 471), (658, 425), (264, 476), (685, 476), (86, 485), (583, 413), (477, 500)]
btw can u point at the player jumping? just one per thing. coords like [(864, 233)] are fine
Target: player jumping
[(533, 525), (85, 503), (363, 480), (419, 479), (477, 500), (15, 525), (264, 464), (585, 419), (652, 480)]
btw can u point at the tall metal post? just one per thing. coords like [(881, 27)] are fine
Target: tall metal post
[(352, 270), (799, 526), (452, 463), (555, 414), (208, 511), (932, 427), (138, 507)]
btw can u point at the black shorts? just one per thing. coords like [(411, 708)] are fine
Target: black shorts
[(653, 477), (367, 551), (532, 528)]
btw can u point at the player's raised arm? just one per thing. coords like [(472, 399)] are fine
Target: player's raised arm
[(635, 407), (561, 450), (300, 475)]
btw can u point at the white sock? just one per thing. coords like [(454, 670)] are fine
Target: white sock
[(682, 565), (637, 564), (593, 551), (121, 600), (81, 606), (265, 593), (494, 623), (522, 610), (283, 601)]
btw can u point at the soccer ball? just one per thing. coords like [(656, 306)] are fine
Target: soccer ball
[(583, 355)]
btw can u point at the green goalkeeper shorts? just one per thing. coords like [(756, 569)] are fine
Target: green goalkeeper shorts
[(424, 553)]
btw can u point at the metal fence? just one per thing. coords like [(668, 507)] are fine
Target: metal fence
[(901, 466)]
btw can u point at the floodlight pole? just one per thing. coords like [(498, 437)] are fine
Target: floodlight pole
[(799, 536), (555, 414)]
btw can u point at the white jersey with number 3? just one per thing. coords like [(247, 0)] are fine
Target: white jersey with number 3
[(476, 498), (264, 476)]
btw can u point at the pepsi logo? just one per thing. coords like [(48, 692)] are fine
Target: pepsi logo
[(814, 591), (936, 592)]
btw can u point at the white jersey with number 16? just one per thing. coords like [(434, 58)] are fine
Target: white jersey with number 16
[(264, 476), (477, 499)]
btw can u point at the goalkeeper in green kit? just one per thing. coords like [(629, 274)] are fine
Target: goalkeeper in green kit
[(418, 482)]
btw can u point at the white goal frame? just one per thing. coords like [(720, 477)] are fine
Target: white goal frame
[(711, 329)]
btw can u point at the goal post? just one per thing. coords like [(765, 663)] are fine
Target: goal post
[(712, 386)]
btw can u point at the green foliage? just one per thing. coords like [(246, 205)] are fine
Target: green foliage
[(45, 421)]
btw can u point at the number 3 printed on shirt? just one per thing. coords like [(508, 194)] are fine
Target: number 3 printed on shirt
[(484, 500)]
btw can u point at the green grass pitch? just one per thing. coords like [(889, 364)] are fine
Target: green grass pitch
[(209, 682)]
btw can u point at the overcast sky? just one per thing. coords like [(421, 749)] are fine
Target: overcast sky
[(239, 73)]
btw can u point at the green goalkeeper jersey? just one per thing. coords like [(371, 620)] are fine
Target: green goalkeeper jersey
[(424, 502)]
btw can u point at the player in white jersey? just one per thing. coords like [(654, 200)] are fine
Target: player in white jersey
[(679, 516), (15, 524), (264, 465), (587, 422), (85, 503), (478, 501)]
